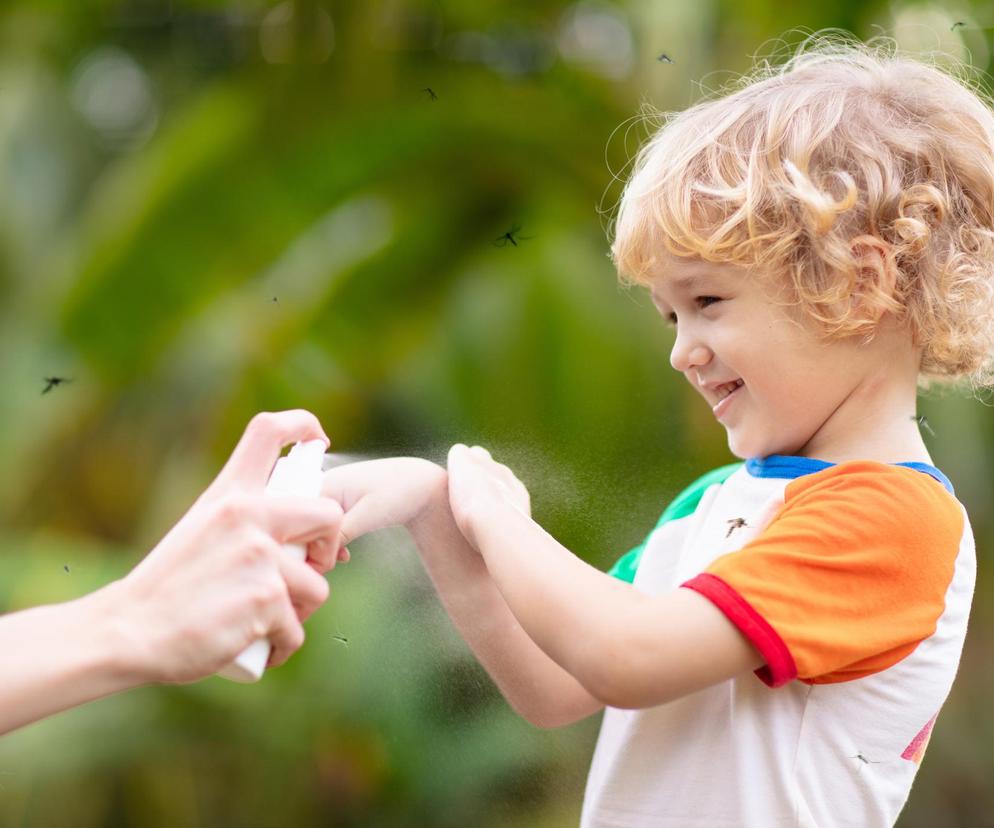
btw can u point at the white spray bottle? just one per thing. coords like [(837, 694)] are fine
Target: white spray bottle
[(299, 474)]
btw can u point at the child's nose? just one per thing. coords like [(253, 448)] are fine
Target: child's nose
[(688, 353)]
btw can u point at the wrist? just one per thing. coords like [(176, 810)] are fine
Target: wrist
[(435, 530), (490, 522), (435, 505), (119, 650)]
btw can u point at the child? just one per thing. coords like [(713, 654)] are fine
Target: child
[(778, 649)]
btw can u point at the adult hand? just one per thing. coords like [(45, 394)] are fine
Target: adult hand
[(220, 580)]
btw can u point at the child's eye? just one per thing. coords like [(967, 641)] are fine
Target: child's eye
[(702, 301)]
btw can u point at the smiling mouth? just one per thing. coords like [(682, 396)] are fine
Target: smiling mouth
[(727, 389), (724, 394)]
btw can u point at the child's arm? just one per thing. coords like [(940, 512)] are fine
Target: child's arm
[(414, 493), (627, 648)]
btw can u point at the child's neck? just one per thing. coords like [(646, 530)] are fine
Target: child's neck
[(877, 421), (909, 450)]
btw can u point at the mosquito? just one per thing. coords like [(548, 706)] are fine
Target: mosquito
[(923, 422), (341, 638), (54, 381), (957, 25), (664, 58), (509, 236), (65, 567), (430, 93), (864, 761), (733, 524)]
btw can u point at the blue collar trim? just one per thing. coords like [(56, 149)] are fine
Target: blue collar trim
[(788, 466)]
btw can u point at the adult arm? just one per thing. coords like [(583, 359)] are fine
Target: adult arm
[(218, 581)]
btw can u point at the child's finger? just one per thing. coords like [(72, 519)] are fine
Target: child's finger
[(322, 554), (510, 478), (469, 453), (349, 483), (349, 486), (296, 519), (364, 517), (459, 456), (468, 466)]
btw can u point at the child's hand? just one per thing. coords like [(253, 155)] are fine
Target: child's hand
[(479, 486), (375, 494)]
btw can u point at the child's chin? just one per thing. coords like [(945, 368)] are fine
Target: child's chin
[(744, 448), (739, 447)]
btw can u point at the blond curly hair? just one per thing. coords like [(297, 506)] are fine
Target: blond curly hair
[(794, 167)]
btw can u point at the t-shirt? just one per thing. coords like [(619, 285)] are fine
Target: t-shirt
[(854, 582)]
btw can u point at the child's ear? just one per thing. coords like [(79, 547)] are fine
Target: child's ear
[(876, 277)]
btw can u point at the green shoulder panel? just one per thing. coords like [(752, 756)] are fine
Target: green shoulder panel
[(682, 505)]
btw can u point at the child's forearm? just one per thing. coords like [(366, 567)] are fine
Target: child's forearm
[(538, 688), (57, 656), (578, 616)]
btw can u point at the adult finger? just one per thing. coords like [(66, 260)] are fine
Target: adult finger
[(286, 635), (262, 443), (307, 589)]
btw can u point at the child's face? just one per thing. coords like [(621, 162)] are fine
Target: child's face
[(794, 388)]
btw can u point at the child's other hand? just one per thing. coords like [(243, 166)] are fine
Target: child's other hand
[(375, 494), (479, 486)]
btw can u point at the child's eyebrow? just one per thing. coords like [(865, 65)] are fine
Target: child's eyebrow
[(684, 283)]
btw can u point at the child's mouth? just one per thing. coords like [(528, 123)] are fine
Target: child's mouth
[(730, 390)]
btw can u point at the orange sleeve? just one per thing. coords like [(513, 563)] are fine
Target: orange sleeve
[(849, 576)]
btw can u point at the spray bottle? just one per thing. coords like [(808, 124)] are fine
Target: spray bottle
[(299, 474)]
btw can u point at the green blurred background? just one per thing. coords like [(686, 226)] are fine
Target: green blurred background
[(214, 208)]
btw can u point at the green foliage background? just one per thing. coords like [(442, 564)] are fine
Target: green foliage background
[(257, 206)]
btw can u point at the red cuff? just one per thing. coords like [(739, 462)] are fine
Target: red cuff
[(779, 667)]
